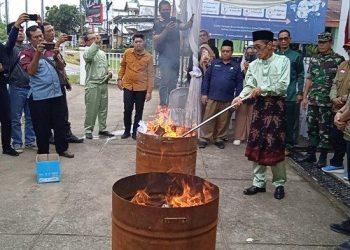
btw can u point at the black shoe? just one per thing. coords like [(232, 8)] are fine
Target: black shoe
[(279, 193), (125, 135), (220, 144), (73, 139), (254, 190), (309, 157), (202, 144), (105, 133), (10, 151), (52, 140), (88, 136), (343, 227), (133, 136), (344, 246), (67, 154)]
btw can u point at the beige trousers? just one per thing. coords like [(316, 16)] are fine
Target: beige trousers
[(215, 129), (242, 123)]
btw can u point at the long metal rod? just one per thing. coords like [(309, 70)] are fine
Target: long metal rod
[(214, 116)]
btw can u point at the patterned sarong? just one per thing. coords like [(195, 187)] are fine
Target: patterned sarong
[(266, 142)]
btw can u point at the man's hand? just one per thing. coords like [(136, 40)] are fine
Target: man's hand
[(98, 40), (304, 103), (337, 102), (56, 51), (62, 38), (204, 99), (41, 46), (237, 102), (339, 124), (39, 21), (255, 92), (109, 75), (21, 19), (148, 97), (299, 99), (246, 65), (170, 26), (119, 84)]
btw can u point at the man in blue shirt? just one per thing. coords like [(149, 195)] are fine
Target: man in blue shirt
[(222, 81), (46, 101)]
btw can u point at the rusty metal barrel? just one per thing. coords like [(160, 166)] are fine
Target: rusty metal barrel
[(137, 227), (166, 154)]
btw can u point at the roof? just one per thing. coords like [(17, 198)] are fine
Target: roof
[(333, 13), (149, 3), (131, 6)]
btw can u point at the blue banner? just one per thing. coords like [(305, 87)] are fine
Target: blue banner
[(305, 19)]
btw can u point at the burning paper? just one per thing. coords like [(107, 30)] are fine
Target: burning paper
[(188, 196), (163, 125)]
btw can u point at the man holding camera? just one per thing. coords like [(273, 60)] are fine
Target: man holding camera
[(295, 88), (49, 36), (19, 89), (46, 100), (5, 72), (167, 41)]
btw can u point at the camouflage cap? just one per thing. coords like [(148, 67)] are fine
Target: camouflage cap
[(324, 37)]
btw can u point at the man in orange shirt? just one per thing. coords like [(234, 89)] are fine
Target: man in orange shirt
[(136, 79)]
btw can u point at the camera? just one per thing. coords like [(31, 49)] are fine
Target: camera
[(49, 46), (33, 17), (69, 38)]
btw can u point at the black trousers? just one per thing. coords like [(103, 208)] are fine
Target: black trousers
[(5, 117), (292, 117), (339, 146), (66, 113), (47, 113), (132, 98), (348, 157)]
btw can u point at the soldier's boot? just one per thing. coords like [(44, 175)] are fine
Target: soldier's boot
[(309, 157), (322, 160)]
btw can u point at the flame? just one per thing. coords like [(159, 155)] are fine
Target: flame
[(188, 198), (141, 197), (164, 126)]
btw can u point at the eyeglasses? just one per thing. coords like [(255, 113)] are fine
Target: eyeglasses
[(283, 38), (259, 47)]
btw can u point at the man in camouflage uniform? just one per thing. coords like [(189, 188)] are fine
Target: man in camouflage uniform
[(338, 96), (319, 80)]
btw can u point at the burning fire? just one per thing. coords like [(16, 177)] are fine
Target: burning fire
[(164, 126), (188, 198)]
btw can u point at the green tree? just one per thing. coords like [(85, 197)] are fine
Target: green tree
[(3, 35), (65, 18)]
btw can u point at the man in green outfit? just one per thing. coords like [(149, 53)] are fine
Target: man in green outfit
[(266, 80), (295, 88), (96, 89), (319, 80)]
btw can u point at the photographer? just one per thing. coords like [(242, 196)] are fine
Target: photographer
[(245, 111), (46, 100), (167, 41), (5, 115), (49, 36)]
